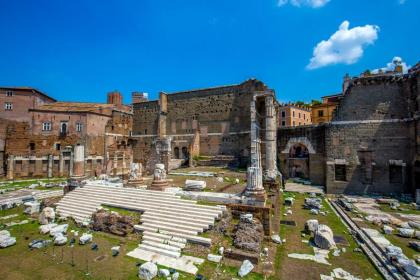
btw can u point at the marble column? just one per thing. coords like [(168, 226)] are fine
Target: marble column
[(11, 167), (50, 166), (270, 139), (61, 165), (79, 161)]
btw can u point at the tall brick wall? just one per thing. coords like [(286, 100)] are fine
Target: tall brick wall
[(382, 143), (221, 114)]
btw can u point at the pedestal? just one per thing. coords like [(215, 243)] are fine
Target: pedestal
[(158, 185)]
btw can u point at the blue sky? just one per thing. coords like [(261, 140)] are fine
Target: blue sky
[(81, 49)]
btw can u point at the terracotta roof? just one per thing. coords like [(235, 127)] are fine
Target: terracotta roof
[(29, 89), (79, 107)]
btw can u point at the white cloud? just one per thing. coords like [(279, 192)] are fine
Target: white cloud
[(390, 66), (344, 46), (299, 3)]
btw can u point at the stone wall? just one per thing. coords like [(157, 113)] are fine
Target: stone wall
[(312, 137), (369, 151), (221, 115)]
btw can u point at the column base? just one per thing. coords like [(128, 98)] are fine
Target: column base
[(158, 185)]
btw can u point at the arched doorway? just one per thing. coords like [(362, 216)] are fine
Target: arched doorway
[(176, 152), (298, 161)]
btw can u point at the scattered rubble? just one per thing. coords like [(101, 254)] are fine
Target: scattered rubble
[(245, 268), (214, 258), (85, 238), (39, 244), (324, 237), (112, 222), (32, 207), (148, 271), (248, 234), (311, 225), (406, 232), (276, 239), (194, 185), (6, 239), (47, 216), (60, 239)]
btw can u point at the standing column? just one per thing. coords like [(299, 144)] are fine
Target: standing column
[(254, 187), (11, 167), (71, 163), (270, 139), (50, 166), (115, 164), (79, 161), (61, 165)]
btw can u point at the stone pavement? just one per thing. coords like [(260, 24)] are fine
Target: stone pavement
[(301, 188)]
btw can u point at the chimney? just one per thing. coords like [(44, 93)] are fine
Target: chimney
[(139, 97), (114, 97)]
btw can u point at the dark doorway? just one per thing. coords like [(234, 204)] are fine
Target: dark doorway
[(176, 152), (184, 152)]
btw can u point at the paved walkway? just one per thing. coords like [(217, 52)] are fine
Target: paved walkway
[(301, 188)]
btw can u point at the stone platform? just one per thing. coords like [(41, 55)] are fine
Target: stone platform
[(167, 221)]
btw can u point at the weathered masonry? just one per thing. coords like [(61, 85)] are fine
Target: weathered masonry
[(371, 146), (68, 139), (212, 123)]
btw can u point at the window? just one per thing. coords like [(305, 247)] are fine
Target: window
[(395, 174), (63, 127), (300, 123), (320, 113), (294, 123), (9, 93), (79, 127), (46, 126), (58, 146), (283, 114), (299, 115), (340, 172), (293, 113), (32, 146), (8, 106), (283, 123)]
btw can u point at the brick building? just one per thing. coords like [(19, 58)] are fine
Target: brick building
[(370, 146), (324, 111), (70, 139), (212, 122), (293, 115), (16, 102)]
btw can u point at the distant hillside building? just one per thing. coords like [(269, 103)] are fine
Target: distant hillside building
[(290, 115)]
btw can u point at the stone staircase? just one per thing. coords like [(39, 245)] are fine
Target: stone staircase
[(167, 221)]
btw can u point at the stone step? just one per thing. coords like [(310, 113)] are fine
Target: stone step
[(164, 237), (161, 245), (140, 205), (151, 217), (175, 224), (155, 195), (163, 241), (191, 238), (131, 190), (159, 227), (114, 199), (93, 205), (183, 218), (160, 251), (76, 217), (172, 199)]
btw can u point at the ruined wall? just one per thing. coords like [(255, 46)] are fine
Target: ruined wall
[(377, 157), (377, 98), (313, 138), (221, 115)]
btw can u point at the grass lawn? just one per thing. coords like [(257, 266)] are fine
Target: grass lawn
[(289, 268)]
